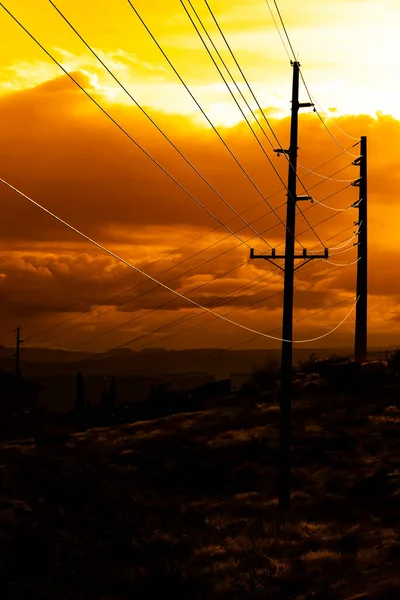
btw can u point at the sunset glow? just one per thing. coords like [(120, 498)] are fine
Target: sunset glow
[(59, 148)]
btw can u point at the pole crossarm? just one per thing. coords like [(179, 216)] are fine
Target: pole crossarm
[(275, 256)]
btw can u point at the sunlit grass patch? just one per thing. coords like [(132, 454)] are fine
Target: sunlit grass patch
[(313, 429), (392, 410), (321, 556), (384, 419)]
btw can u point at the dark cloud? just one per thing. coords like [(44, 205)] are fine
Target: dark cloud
[(60, 150)]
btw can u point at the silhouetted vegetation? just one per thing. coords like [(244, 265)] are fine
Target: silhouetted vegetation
[(185, 506)]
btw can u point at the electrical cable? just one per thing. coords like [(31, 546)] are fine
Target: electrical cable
[(190, 316), (143, 283), (229, 71), (254, 96), (127, 263), (121, 85), (302, 77), (122, 129), (219, 351), (203, 111), (159, 307), (325, 177)]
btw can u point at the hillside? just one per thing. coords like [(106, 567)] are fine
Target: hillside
[(186, 507)]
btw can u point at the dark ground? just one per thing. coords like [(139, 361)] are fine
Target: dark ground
[(185, 507)]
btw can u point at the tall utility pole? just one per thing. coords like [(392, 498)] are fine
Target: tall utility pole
[(284, 487), (360, 342)]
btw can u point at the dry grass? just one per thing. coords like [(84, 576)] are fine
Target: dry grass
[(186, 506)]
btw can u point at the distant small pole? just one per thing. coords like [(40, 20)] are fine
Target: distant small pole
[(17, 353)]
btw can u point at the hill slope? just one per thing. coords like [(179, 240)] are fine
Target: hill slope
[(186, 506)]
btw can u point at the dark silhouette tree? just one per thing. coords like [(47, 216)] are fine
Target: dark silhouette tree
[(112, 393), (80, 405)]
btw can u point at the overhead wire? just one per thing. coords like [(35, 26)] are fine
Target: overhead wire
[(325, 176), (159, 307), (236, 345), (191, 317), (79, 324), (259, 333), (146, 114), (314, 201), (356, 233), (278, 30), (229, 71), (284, 29), (303, 80), (202, 110), (133, 267), (343, 264), (65, 321), (114, 308), (320, 117), (248, 85), (43, 48), (122, 129), (251, 91), (343, 251)]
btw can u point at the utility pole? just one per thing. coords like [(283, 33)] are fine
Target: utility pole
[(360, 342), (17, 353), (284, 486)]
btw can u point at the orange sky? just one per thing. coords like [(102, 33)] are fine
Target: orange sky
[(57, 147)]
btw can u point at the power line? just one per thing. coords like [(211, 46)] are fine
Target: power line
[(250, 88), (278, 30), (178, 294), (284, 29), (343, 264), (332, 207), (194, 316), (325, 176), (256, 281), (217, 352), (242, 73), (176, 264), (159, 307), (345, 249), (124, 131), (203, 111), (112, 309), (356, 233), (247, 284), (127, 263), (302, 77), (118, 81), (321, 119), (312, 98), (230, 91), (149, 291), (228, 70)]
